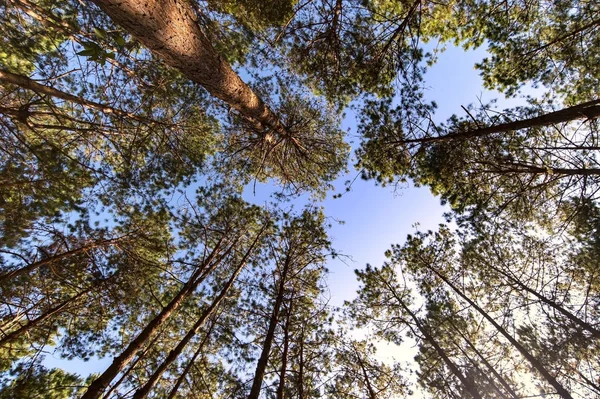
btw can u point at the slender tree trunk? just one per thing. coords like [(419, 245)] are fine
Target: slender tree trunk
[(284, 355), (266, 350), (535, 363), (95, 390), (30, 84), (24, 329), (55, 258), (472, 389), (169, 28), (301, 367), (588, 110), (192, 361), (131, 367), (370, 390), (441, 352), (491, 368), (172, 356), (573, 318)]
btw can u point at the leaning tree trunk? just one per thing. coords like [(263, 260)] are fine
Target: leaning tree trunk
[(266, 350), (95, 390), (429, 338), (169, 28), (172, 356), (535, 363), (588, 110)]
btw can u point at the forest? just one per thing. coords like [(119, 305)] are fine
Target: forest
[(131, 130)]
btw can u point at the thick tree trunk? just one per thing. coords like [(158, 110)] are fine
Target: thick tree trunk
[(589, 110), (95, 390), (535, 363), (145, 389), (266, 350), (169, 28)]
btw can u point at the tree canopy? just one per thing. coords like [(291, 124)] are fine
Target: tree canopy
[(130, 132)]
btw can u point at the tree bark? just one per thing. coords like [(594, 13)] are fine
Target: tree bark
[(95, 390), (588, 110), (169, 28), (266, 350), (145, 389)]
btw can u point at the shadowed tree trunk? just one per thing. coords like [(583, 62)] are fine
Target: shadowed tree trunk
[(145, 389), (588, 110), (535, 363), (266, 350), (97, 387)]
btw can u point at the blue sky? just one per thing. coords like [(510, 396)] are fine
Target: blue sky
[(374, 217)]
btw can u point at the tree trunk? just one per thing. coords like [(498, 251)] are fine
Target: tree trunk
[(266, 350), (491, 368), (188, 367), (172, 356), (588, 110), (36, 265), (169, 28), (535, 363), (301, 367), (130, 368), (95, 390), (472, 389), (372, 394), (30, 84), (284, 354), (45, 316), (573, 318)]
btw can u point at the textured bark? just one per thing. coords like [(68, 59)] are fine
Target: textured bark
[(266, 350), (95, 390), (170, 30), (588, 110), (173, 354)]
